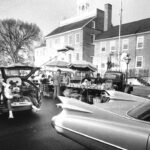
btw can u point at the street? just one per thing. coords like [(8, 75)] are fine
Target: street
[(33, 131)]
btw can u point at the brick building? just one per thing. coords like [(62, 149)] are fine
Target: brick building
[(134, 40), (96, 40), (79, 33)]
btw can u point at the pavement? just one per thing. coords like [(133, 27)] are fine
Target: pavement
[(143, 91), (33, 131)]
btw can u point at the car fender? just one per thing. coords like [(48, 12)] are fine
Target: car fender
[(97, 128), (117, 95)]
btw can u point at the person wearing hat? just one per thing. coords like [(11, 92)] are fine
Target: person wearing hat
[(98, 79)]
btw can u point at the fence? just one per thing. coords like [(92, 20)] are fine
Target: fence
[(136, 73)]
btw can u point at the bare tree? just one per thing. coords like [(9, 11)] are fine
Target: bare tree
[(17, 37)]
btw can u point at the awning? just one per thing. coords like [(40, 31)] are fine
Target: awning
[(61, 64), (82, 66)]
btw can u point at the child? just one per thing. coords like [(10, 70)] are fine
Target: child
[(9, 95)]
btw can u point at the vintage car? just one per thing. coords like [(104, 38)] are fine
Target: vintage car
[(122, 123), (28, 92), (118, 80)]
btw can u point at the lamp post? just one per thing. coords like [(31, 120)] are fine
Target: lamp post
[(127, 60)]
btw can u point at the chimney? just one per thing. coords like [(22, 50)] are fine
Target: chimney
[(107, 16)]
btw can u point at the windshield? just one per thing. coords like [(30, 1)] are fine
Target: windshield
[(112, 76), (141, 112), (17, 72)]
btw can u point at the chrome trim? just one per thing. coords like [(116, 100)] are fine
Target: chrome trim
[(73, 108), (90, 137)]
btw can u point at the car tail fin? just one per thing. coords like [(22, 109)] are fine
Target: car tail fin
[(74, 105)]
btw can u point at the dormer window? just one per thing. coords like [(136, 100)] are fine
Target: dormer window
[(93, 24)]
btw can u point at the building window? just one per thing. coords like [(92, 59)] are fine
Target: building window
[(140, 42), (57, 40), (97, 47), (44, 52), (77, 56), (93, 24), (69, 57), (66, 40), (50, 43), (37, 53), (77, 38), (102, 65), (139, 61), (103, 46), (112, 45), (70, 40), (125, 44)]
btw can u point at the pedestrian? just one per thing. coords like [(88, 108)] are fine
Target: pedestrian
[(66, 79), (98, 79), (1, 88), (86, 79), (57, 82)]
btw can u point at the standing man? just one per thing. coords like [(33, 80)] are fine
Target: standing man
[(98, 79), (66, 79), (56, 83)]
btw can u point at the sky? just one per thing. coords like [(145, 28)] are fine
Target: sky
[(48, 13)]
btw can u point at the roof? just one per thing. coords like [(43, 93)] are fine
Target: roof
[(61, 64), (82, 66), (69, 27), (126, 29)]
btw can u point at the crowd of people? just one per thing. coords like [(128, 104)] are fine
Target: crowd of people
[(10, 91), (57, 80), (60, 80)]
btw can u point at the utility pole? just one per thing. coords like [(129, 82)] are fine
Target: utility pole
[(119, 38)]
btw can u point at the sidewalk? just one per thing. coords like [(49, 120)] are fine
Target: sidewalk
[(143, 91)]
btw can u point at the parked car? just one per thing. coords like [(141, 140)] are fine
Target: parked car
[(26, 89), (118, 80), (122, 123)]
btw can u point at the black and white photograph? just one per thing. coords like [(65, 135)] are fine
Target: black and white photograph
[(74, 75)]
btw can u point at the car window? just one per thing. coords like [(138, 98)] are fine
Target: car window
[(141, 112), (112, 76), (17, 72)]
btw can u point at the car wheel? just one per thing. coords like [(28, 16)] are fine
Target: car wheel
[(127, 89)]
